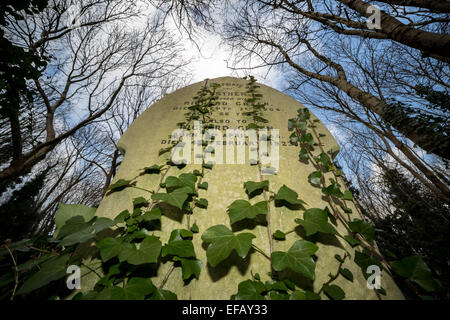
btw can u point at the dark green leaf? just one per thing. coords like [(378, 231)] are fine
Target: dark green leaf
[(303, 155), (180, 248), (334, 292), (415, 269), (242, 209), (175, 198), (251, 186), (332, 190), (194, 228), (352, 241), (52, 269), (223, 241), (347, 195), (139, 202), (67, 211), (189, 267), (363, 228), (250, 290), (202, 203), (314, 178), (154, 214), (279, 235), (203, 185), (148, 252), (288, 195), (346, 273), (316, 220), (298, 258)]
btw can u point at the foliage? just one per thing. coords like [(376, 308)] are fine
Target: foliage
[(417, 225), (131, 254)]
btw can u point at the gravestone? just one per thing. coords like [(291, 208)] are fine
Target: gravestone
[(152, 131)]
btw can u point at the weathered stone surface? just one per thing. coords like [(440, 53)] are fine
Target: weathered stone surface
[(151, 131)]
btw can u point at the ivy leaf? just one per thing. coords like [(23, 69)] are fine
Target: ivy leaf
[(222, 241), (180, 248), (197, 173), (153, 169), (148, 252), (137, 288), (163, 295), (78, 237), (119, 185), (173, 182), (334, 292), (364, 260), (121, 217), (242, 209), (347, 195), (332, 190), (189, 267), (67, 211), (277, 286), (346, 273), (203, 185), (251, 187), (325, 160), (303, 155), (314, 178), (52, 269), (415, 269), (102, 223), (139, 202), (202, 203), (279, 235), (298, 258), (288, 195), (154, 214), (293, 138), (188, 180), (352, 241), (195, 228), (250, 290), (307, 138), (176, 198), (73, 225), (109, 248), (316, 220), (307, 295), (363, 228)]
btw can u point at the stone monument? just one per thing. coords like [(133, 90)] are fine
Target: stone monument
[(143, 145)]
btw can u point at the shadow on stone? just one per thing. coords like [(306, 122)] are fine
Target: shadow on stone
[(249, 224), (324, 238)]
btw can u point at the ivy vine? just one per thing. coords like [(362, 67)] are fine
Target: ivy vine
[(125, 253)]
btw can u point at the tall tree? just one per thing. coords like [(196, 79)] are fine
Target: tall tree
[(97, 57)]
